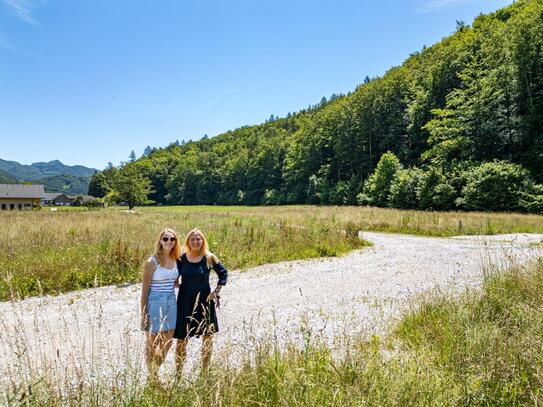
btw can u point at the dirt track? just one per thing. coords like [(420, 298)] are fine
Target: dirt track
[(93, 333)]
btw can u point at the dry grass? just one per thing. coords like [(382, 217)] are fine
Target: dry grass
[(51, 252)]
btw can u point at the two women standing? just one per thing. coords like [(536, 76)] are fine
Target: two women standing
[(193, 313)]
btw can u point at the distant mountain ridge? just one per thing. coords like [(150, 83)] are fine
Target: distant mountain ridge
[(54, 175), (6, 178), (39, 170)]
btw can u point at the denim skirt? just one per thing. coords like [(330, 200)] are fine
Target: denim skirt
[(162, 311)]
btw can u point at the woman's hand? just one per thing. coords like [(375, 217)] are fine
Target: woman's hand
[(176, 283), (144, 323), (215, 297)]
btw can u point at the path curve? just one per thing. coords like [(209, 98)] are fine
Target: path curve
[(94, 333)]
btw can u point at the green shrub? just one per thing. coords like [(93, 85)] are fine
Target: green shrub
[(319, 188), (533, 202), (435, 191), (340, 193), (403, 190), (271, 197), (95, 203), (376, 189), (498, 186)]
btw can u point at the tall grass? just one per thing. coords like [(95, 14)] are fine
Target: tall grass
[(484, 348), (383, 219), (51, 252), (44, 252)]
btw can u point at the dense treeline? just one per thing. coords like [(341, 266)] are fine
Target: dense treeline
[(459, 118), (6, 178), (65, 183)]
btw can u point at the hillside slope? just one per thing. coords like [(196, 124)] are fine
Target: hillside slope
[(54, 175), (41, 170), (475, 97)]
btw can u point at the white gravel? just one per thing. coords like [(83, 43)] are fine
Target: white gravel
[(94, 333)]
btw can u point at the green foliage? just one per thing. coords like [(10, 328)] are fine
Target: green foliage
[(129, 186), (533, 201), (497, 186), (95, 204), (474, 97), (435, 191), (98, 185), (340, 194), (65, 183), (404, 187), (377, 188)]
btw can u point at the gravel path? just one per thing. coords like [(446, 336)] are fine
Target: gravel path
[(92, 333)]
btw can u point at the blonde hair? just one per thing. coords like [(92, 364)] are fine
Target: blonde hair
[(175, 253), (204, 250)]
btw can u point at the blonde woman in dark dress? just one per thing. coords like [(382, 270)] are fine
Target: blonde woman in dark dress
[(196, 314)]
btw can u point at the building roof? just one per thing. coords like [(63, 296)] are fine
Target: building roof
[(85, 198), (21, 191), (49, 196)]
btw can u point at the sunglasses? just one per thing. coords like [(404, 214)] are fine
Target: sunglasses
[(171, 239)]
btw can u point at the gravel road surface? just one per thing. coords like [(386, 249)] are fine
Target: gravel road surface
[(94, 333)]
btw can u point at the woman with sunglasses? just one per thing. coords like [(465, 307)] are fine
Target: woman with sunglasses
[(196, 315), (158, 304)]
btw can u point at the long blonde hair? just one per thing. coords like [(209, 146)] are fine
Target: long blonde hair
[(175, 253), (204, 250)]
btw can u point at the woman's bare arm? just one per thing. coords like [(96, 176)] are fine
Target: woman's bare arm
[(148, 271)]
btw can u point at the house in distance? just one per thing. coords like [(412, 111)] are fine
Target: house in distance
[(18, 196), (60, 199), (56, 199)]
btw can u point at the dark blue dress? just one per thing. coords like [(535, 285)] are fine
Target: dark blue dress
[(195, 315)]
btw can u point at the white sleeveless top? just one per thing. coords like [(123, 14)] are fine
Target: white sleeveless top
[(163, 278)]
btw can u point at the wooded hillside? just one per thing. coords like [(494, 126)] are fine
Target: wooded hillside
[(463, 120)]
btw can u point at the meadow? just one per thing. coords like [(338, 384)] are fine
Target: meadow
[(50, 252), (483, 348)]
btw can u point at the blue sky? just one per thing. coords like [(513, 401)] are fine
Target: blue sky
[(87, 81)]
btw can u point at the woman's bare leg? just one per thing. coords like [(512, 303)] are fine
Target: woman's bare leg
[(150, 355), (168, 339), (180, 356), (158, 346), (207, 349)]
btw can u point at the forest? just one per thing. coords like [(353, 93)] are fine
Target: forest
[(457, 126)]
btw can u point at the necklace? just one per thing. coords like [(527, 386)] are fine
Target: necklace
[(193, 259)]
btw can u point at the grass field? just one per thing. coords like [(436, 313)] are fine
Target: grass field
[(484, 348), (45, 252)]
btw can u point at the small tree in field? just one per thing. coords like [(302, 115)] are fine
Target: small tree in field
[(130, 186)]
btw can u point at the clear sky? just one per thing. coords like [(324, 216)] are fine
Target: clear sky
[(87, 81)]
